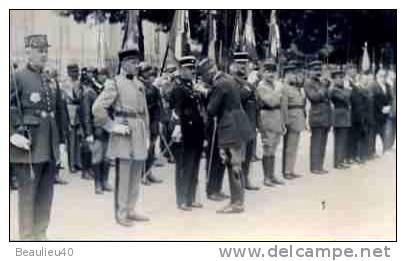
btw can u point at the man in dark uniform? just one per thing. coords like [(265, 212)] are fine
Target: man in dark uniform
[(233, 129), (320, 116), (95, 136), (154, 102), (35, 140), (248, 100), (341, 99), (358, 137), (187, 104), (295, 117), (70, 89), (382, 107)]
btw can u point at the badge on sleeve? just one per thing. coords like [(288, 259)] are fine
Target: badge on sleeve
[(35, 97)]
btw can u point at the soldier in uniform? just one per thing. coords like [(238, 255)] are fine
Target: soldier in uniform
[(187, 104), (248, 100), (71, 88), (36, 135), (233, 129), (359, 126), (129, 134), (96, 137), (341, 99), (382, 108), (294, 101), (271, 121), (320, 116)]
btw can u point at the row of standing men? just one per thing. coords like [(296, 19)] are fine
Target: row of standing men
[(122, 118)]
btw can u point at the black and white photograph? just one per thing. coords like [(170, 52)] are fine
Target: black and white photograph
[(202, 125)]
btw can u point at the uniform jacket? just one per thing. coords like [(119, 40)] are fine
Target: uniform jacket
[(294, 102), (341, 99), (359, 108), (381, 99), (126, 100), (271, 115), (187, 105), (320, 111), (72, 95), (234, 127), (154, 103), (248, 101), (41, 106)]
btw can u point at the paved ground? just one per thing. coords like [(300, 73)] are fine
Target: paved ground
[(360, 204)]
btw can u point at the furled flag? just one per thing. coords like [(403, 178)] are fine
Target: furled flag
[(179, 36), (365, 64), (249, 44), (212, 37), (274, 37), (238, 32), (101, 47), (132, 31)]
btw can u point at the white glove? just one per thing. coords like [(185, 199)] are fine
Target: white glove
[(90, 139), (174, 115), (120, 129), (386, 109), (62, 148), (177, 134), (20, 141)]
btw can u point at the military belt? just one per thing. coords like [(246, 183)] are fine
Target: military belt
[(129, 114), (270, 108), (40, 113)]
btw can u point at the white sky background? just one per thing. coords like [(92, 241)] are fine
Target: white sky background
[(187, 251)]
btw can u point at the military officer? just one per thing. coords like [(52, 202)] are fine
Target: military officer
[(188, 104), (271, 121), (233, 129), (358, 137), (238, 70), (36, 135), (71, 91), (97, 139), (129, 134), (341, 99), (294, 101), (320, 116)]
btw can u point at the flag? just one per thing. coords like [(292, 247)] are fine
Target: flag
[(101, 47), (179, 35), (132, 31), (238, 32), (249, 44), (365, 64), (274, 37), (212, 38)]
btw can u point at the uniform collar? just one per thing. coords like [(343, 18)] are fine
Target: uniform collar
[(34, 68)]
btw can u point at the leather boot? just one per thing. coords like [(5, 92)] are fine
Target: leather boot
[(105, 177), (272, 176), (97, 178), (247, 181), (266, 171)]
